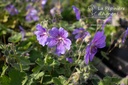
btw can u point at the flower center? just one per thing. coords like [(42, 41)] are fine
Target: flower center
[(44, 33), (93, 49), (60, 38)]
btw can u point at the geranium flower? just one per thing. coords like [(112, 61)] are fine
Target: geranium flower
[(32, 14), (80, 33), (11, 9), (77, 12), (97, 42), (41, 35), (58, 39)]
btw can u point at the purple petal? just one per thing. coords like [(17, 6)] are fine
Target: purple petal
[(125, 35), (69, 60), (52, 42), (40, 28), (63, 32), (60, 48), (54, 32), (99, 39), (75, 31), (43, 2), (11, 9), (106, 21), (43, 40), (52, 11), (35, 18), (77, 12), (67, 44), (78, 36), (22, 32), (93, 52), (87, 55)]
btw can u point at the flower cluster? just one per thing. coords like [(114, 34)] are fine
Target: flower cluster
[(80, 33), (32, 14), (56, 38)]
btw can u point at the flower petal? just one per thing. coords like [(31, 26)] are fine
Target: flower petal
[(87, 55), (92, 53), (60, 48), (54, 32), (77, 12), (40, 28), (43, 40), (67, 44), (52, 42), (63, 32)]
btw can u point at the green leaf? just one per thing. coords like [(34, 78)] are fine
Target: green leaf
[(4, 80), (16, 77), (16, 38), (4, 68), (34, 55), (39, 75), (59, 80), (39, 62), (109, 81), (56, 81)]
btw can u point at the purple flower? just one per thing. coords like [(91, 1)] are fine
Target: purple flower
[(11, 9), (80, 33), (55, 10), (43, 2), (41, 35), (52, 11), (69, 60), (107, 20), (125, 35), (22, 31), (77, 12), (32, 14), (58, 38), (97, 42)]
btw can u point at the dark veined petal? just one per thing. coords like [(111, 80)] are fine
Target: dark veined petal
[(92, 52), (54, 32), (77, 12), (87, 55), (99, 39), (63, 32)]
